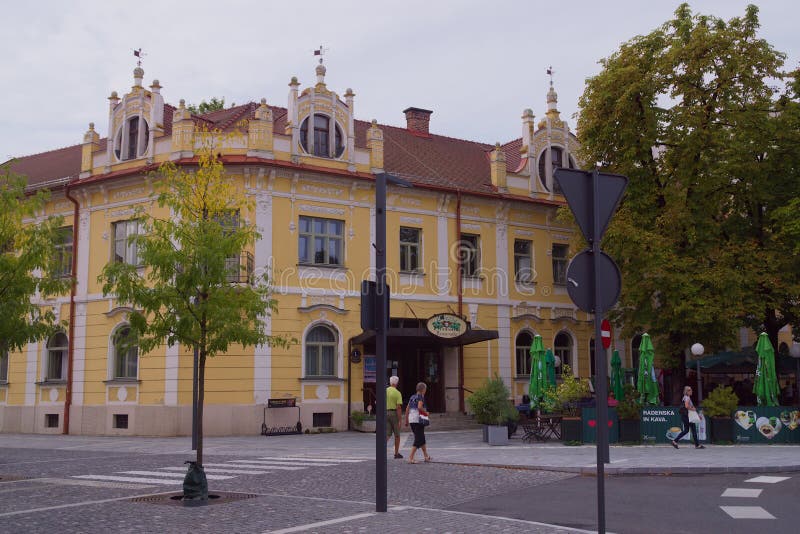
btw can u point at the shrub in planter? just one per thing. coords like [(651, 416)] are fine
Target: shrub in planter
[(719, 407), (491, 405), (363, 421), (569, 392), (629, 414)]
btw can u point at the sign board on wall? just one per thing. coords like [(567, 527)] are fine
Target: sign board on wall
[(447, 325), (662, 424), (767, 424), (370, 369)]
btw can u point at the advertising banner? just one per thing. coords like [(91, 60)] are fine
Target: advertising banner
[(662, 424), (767, 424)]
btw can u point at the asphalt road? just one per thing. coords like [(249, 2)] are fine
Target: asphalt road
[(652, 504)]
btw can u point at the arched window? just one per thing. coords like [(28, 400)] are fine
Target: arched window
[(321, 347), (322, 137), (524, 342), (557, 155), (131, 140), (126, 353), (562, 347), (56, 365)]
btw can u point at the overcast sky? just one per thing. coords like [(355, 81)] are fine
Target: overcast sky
[(476, 64)]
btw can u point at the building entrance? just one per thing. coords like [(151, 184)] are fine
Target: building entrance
[(413, 365)]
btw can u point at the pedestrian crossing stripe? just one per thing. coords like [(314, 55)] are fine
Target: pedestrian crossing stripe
[(767, 479), (221, 471), (747, 512)]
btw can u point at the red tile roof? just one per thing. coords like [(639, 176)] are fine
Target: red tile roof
[(435, 160)]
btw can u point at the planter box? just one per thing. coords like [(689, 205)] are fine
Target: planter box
[(722, 429), (365, 426), (630, 430), (497, 435), (571, 429)]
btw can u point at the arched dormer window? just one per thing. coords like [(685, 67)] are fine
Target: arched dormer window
[(557, 155), (322, 137), (131, 140)]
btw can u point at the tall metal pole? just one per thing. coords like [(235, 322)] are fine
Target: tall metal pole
[(699, 384), (195, 379), (380, 343), (601, 388)]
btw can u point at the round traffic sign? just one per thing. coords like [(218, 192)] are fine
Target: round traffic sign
[(605, 333), (580, 282)]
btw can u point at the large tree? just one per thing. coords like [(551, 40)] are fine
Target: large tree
[(193, 290), (689, 113), (27, 264)]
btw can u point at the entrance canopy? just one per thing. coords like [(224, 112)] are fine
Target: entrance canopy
[(413, 331), (741, 361)]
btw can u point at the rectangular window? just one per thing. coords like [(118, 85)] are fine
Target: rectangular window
[(55, 364), (559, 257), (3, 366), (126, 251), (322, 419), (321, 241), (469, 255), (523, 361), (409, 249), (120, 420), (51, 420), (523, 260), (62, 253)]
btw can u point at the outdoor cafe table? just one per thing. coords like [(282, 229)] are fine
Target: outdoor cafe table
[(542, 428)]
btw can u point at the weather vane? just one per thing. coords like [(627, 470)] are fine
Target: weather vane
[(550, 73), (139, 54), (320, 52)]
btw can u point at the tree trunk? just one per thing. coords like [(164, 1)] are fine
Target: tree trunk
[(201, 377)]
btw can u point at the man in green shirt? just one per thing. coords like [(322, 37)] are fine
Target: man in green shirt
[(394, 414)]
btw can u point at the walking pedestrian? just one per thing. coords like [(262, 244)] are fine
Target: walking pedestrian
[(687, 407), (415, 415), (394, 414)]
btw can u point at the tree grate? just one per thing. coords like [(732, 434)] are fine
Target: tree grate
[(176, 499)]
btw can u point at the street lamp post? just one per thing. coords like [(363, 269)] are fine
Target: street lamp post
[(794, 350), (698, 350)]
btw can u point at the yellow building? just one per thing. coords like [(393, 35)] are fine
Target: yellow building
[(476, 237)]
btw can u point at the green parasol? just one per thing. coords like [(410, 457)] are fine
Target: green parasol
[(550, 364), (646, 383), (537, 383), (616, 376), (766, 385)]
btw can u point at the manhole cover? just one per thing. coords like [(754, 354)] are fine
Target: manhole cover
[(11, 478), (176, 499)]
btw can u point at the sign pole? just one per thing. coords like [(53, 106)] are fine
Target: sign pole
[(380, 344), (601, 386)]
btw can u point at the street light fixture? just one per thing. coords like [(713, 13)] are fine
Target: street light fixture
[(794, 351), (697, 351)]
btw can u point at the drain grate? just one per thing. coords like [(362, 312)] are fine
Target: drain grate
[(12, 478), (176, 499)]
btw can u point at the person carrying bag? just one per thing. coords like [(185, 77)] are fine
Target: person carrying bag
[(417, 416)]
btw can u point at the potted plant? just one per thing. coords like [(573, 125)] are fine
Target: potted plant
[(363, 421), (629, 414), (569, 392), (719, 407), (492, 408)]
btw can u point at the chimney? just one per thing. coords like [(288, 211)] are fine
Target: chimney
[(417, 120)]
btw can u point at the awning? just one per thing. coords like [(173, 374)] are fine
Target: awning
[(421, 335), (741, 361)]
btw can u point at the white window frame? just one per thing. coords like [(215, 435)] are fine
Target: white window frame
[(406, 250), (311, 235), (519, 276), (466, 247), (336, 348), (130, 249), (64, 358), (562, 261), (62, 252), (517, 352), (114, 356)]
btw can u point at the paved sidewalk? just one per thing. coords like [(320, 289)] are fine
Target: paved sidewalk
[(457, 447)]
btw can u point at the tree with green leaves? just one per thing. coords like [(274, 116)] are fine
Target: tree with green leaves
[(214, 104), (193, 290), (28, 270), (689, 114)]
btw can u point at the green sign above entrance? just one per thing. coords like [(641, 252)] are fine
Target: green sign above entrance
[(447, 326)]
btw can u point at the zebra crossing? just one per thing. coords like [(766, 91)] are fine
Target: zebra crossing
[(172, 475), (750, 512)]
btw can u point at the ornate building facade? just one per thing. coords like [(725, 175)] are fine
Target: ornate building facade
[(476, 237)]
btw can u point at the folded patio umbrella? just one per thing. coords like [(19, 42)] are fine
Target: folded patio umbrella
[(646, 383), (537, 382), (616, 376), (766, 384)]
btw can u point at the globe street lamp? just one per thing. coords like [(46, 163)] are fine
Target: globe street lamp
[(794, 350), (698, 350)]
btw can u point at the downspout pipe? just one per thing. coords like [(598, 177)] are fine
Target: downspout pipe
[(72, 292), (460, 282)]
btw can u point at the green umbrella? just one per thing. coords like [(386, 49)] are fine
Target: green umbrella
[(536, 386), (550, 364), (646, 383), (616, 376), (766, 385)]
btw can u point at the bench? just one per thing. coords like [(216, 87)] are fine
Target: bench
[(281, 430)]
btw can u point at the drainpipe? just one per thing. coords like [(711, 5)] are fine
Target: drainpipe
[(460, 282), (349, 379), (73, 290)]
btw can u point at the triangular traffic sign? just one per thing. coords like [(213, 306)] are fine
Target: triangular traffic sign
[(577, 188)]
